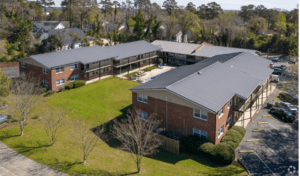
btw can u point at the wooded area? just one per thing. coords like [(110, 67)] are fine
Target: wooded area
[(254, 27)]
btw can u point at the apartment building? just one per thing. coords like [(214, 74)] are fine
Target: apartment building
[(57, 69), (175, 53), (205, 98)]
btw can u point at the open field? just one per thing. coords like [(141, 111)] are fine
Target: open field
[(102, 101)]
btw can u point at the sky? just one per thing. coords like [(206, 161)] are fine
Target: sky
[(229, 4)]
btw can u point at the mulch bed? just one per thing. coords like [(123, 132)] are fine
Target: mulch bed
[(7, 125)]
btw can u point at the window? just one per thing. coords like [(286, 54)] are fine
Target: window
[(73, 67), (221, 130), (154, 59), (144, 61), (60, 70), (74, 78), (229, 120), (199, 133), (45, 71), (221, 112), (94, 62), (142, 115), (95, 73), (199, 114), (181, 62), (23, 64), (105, 69), (60, 82), (45, 83), (172, 60), (142, 98), (230, 103)]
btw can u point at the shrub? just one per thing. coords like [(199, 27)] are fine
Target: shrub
[(44, 89), (69, 86), (78, 83), (207, 148), (233, 136), (241, 130), (49, 93), (61, 89), (223, 153), (192, 143)]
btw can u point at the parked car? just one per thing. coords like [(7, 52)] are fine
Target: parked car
[(288, 106), (274, 78), (293, 61), (277, 71), (280, 68), (289, 98), (275, 58), (283, 67), (283, 114)]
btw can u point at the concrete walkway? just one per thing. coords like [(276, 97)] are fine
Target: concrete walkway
[(15, 164)]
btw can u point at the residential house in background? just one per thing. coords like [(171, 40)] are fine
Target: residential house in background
[(56, 69), (44, 26), (204, 98)]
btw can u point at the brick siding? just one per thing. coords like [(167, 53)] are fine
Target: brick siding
[(180, 119), (9, 64), (66, 74)]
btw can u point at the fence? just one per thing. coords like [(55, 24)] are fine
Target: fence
[(9, 64), (170, 144)]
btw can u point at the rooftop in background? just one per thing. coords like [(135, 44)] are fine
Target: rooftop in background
[(211, 50), (176, 47), (96, 53)]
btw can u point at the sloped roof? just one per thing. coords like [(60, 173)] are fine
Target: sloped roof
[(95, 53), (211, 50), (175, 47), (66, 34)]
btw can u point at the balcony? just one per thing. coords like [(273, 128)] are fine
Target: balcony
[(133, 60), (239, 105), (94, 67)]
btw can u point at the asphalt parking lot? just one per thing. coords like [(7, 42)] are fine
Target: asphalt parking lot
[(276, 152)]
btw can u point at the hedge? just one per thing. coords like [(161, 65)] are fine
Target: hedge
[(241, 130), (223, 153), (233, 136), (69, 86), (78, 83), (207, 148), (192, 143)]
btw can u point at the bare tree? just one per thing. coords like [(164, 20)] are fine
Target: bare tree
[(25, 97), (53, 122), (137, 136), (86, 139)]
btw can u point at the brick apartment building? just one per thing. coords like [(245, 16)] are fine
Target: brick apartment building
[(57, 69), (204, 98)]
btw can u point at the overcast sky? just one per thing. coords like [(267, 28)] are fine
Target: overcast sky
[(230, 4)]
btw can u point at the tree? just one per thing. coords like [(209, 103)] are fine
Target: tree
[(4, 85), (54, 122), (54, 15), (84, 137), (170, 6), (247, 12), (257, 25), (46, 3), (191, 7), (137, 136), (280, 24), (171, 23), (74, 38), (186, 21), (139, 25), (209, 12), (25, 97), (54, 43)]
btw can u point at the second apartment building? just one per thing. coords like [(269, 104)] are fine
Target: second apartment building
[(57, 69)]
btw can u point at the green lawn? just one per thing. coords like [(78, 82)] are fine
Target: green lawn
[(150, 68), (102, 101), (131, 74)]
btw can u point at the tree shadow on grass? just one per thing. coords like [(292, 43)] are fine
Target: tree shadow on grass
[(24, 149), (7, 134)]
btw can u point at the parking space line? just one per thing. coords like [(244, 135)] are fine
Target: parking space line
[(264, 163), (280, 132), (268, 147)]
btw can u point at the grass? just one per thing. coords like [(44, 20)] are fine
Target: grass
[(131, 74), (150, 68), (102, 101)]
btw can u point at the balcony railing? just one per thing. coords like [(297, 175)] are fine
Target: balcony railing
[(95, 67), (239, 105), (125, 62)]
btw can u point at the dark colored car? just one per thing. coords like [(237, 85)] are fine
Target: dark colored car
[(288, 106), (279, 68), (283, 114), (277, 71), (282, 67), (289, 98)]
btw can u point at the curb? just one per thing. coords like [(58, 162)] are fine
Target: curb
[(252, 140), (257, 130), (266, 116), (246, 151), (259, 123)]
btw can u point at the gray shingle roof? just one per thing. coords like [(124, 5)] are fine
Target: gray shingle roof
[(215, 86), (210, 50), (218, 81), (66, 34), (90, 54), (175, 47)]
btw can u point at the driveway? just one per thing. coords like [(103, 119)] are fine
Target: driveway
[(276, 152), (15, 164)]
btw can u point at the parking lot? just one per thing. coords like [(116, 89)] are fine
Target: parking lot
[(276, 150)]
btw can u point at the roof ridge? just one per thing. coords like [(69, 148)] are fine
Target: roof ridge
[(241, 53), (191, 74)]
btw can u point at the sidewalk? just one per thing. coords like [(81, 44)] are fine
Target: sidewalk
[(15, 164)]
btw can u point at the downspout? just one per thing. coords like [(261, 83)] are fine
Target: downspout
[(166, 113)]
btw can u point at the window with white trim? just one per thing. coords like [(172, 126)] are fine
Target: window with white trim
[(200, 114), (221, 112), (60, 70), (221, 130), (73, 67), (142, 98), (142, 115), (23, 65), (229, 103), (45, 71), (229, 119), (106, 69), (60, 82), (200, 133), (45, 83), (74, 78), (95, 73)]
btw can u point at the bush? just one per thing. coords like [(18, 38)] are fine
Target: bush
[(78, 83), (223, 153), (207, 148), (69, 86), (241, 130), (61, 89), (192, 143), (233, 136), (49, 93), (44, 89)]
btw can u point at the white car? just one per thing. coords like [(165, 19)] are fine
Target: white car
[(274, 78), (275, 58)]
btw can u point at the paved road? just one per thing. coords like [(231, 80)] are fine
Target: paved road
[(15, 164), (277, 151)]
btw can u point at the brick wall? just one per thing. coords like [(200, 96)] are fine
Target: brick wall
[(66, 74), (180, 120), (110, 72), (9, 64), (36, 72)]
